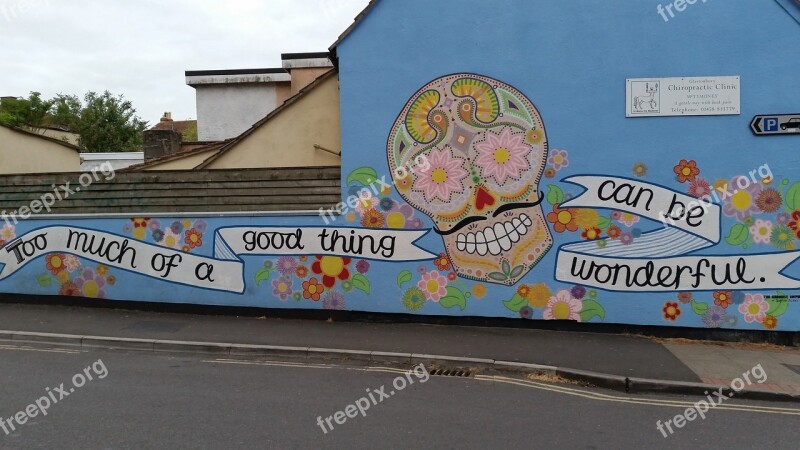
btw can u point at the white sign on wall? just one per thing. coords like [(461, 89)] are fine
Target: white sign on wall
[(687, 96)]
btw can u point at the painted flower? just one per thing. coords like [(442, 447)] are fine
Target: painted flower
[(479, 291), (714, 317), (111, 280), (171, 239), (563, 306), (563, 219), (362, 267), (127, 229), (102, 270), (723, 299), (588, 218), (626, 238), (414, 299), (794, 223), (154, 225), (534, 137), (193, 238), (526, 312), (591, 234), (365, 204), (738, 297), (200, 226), (452, 276), (671, 311), (282, 288), (559, 159), (177, 227), (140, 227), (333, 301), (434, 285), (742, 203), (700, 188), (403, 184), (602, 243), (268, 265), (504, 156), (347, 286), (69, 290), (782, 238), (539, 295), (401, 217), (286, 265), (640, 170), (91, 284), (614, 232), (55, 263), (754, 308), (297, 296), (523, 290), (312, 290), (578, 292), (783, 218), (71, 263), (769, 200), (761, 231), (442, 262), (444, 177), (301, 271), (628, 219), (8, 233), (332, 268), (686, 171), (2, 243), (636, 233), (685, 297), (351, 216), (158, 236), (62, 277), (387, 204), (550, 173), (770, 322), (373, 219)]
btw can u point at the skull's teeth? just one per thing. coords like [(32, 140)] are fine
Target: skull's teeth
[(496, 239)]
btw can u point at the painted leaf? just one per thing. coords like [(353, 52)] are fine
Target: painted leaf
[(516, 303), (793, 197), (699, 308), (604, 223), (738, 235), (454, 298), (365, 176), (404, 277), (777, 306), (497, 276), (361, 283), (262, 276), (592, 309), (517, 271), (555, 195), (506, 268), (44, 280)]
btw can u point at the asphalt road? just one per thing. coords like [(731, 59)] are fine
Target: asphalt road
[(142, 401)]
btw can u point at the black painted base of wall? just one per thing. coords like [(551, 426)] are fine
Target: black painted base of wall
[(785, 338)]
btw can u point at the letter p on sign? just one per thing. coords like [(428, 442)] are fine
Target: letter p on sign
[(771, 124)]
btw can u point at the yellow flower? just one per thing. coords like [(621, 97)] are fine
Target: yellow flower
[(479, 291), (539, 295), (588, 218)]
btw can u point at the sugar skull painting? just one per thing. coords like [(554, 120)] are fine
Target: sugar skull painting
[(484, 149)]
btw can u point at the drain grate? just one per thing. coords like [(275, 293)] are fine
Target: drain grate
[(460, 373), (794, 368)]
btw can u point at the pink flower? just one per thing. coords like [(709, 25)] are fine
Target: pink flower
[(558, 159), (444, 177), (742, 203), (282, 288), (365, 204), (8, 233), (563, 306), (754, 308), (90, 284), (761, 231), (71, 263), (628, 219), (504, 156), (434, 285), (700, 188)]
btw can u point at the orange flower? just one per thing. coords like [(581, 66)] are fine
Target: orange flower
[(671, 311), (69, 290), (194, 238), (331, 268), (373, 219), (550, 172), (55, 263), (590, 234), (685, 297), (723, 299), (303, 258), (523, 291), (102, 270), (686, 171), (563, 219), (770, 322), (301, 271), (442, 262), (312, 290), (112, 280), (403, 184), (479, 291)]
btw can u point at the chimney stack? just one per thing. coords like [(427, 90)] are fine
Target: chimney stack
[(158, 143), (167, 117)]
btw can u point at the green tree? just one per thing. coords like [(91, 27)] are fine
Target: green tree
[(17, 112)]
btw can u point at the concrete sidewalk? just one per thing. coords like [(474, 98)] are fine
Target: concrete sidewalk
[(620, 355)]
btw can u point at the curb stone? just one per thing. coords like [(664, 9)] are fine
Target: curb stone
[(602, 380)]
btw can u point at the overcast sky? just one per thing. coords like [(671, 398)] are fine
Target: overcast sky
[(141, 48)]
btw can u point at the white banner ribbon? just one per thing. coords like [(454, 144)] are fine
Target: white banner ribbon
[(225, 270), (658, 261)]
